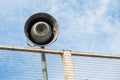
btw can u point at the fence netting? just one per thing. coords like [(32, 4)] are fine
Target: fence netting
[(96, 68), (20, 65)]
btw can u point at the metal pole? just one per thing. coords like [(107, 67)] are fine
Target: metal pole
[(44, 65)]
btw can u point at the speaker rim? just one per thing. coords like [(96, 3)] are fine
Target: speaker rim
[(42, 17)]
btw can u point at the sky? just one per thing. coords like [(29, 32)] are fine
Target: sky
[(85, 25)]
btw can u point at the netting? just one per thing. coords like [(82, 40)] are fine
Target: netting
[(20, 65), (54, 67), (95, 68)]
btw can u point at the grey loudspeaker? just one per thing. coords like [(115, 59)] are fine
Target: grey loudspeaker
[(41, 29)]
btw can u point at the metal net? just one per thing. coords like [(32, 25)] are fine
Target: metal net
[(96, 68), (20, 65), (61, 65)]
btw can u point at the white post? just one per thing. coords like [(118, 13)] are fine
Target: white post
[(68, 65)]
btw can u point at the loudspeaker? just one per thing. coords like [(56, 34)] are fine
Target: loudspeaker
[(41, 29)]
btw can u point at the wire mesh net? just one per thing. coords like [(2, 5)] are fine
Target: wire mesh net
[(20, 65), (96, 68), (54, 67)]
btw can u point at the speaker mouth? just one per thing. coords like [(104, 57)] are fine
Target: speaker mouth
[(41, 32), (41, 28)]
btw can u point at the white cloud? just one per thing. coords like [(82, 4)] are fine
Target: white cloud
[(84, 25), (92, 21)]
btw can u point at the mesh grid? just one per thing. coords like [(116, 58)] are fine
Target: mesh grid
[(16, 65), (54, 66), (19, 65), (94, 68)]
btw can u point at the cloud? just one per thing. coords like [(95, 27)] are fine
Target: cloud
[(91, 26)]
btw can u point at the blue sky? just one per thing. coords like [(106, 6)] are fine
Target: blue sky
[(85, 25)]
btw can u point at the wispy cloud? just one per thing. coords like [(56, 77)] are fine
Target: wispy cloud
[(89, 27), (84, 25)]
